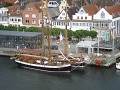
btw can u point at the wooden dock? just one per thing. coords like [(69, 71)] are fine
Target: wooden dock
[(7, 51), (101, 60)]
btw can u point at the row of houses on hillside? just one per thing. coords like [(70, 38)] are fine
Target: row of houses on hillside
[(87, 17)]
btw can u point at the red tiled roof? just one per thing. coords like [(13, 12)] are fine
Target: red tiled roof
[(10, 1), (13, 9), (37, 5), (91, 9), (113, 9)]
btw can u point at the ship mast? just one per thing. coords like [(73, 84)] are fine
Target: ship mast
[(43, 35), (48, 31), (66, 32)]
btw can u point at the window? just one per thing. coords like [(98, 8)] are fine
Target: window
[(81, 17), (31, 9), (19, 20), (60, 17), (77, 17), (18, 12), (81, 11), (85, 17), (102, 15), (15, 19), (63, 13), (28, 9), (27, 21), (12, 19), (26, 15), (33, 16), (33, 22)]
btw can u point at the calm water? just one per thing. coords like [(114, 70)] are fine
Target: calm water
[(14, 78)]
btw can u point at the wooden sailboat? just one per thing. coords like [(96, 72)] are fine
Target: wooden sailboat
[(42, 63)]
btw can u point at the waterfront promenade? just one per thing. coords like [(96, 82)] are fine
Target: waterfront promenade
[(104, 61)]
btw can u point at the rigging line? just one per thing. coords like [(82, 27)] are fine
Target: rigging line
[(63, 55)]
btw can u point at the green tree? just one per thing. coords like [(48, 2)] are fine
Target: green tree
[(10, 27), (32, 29), (93, 34), (70, 34), (56, 32), (22, 28)]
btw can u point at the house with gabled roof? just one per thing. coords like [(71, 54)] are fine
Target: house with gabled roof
[(32, 14), (82, 19), (15, 15), (4, 16), (60, 22), (106, 20)]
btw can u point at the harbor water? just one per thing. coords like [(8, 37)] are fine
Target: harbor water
[(13, 77)]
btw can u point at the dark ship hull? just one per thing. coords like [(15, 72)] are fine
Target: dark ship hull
[(45, 68)]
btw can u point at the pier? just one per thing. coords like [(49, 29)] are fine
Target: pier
[(7, 51)]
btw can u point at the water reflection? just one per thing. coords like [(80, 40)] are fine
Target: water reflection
[(118, 72)]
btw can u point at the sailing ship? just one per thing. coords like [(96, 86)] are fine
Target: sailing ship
[(41, 62)]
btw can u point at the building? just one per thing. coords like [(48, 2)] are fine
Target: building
[(32, 14), (62, 5), (15, 15), (19, 40), (82, 19), (4, 16), (60, 22), (53, 3)]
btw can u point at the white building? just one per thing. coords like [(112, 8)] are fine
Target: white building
[(15, 21), (82, 19), (60, 22), (4, 16), (106, 20)]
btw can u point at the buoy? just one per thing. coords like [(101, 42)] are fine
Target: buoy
[(97, 62)]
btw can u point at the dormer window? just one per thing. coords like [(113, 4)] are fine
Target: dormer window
[(81, 11), (102, 15), (63, 13)]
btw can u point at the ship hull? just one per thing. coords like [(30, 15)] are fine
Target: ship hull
[(45, 68), (78, 66)]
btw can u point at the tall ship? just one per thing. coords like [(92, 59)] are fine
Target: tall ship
[(49, 62), (40, 61)]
